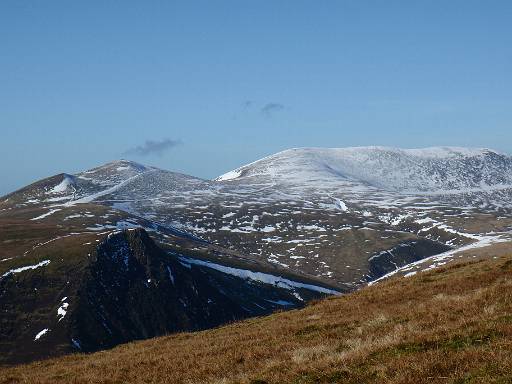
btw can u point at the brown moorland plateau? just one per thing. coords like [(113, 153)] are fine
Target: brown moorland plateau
[(449, 325)]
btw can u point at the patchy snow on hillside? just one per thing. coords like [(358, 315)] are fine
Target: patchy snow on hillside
[(49, 213), (63, 186), (97, 195), (259, 276), (441, 259), (302, 207), (340, 205), (26, 268)]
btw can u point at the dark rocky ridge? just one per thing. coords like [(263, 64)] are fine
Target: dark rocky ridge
[(130, 289), (134, 290)]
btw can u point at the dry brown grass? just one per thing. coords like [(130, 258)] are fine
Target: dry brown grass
[(452, 325)]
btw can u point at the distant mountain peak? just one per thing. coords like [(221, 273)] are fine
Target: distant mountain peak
[(431, 169), (123, 164)]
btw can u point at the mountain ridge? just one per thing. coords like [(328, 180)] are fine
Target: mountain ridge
[(442, 168), (295, 197), (301, 216), (432, 152)]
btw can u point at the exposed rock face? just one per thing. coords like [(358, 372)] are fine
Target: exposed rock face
[(127, 289), (134, 290)]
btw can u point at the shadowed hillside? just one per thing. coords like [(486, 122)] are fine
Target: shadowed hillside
[(450, 325)]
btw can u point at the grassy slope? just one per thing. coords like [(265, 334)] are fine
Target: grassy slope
[(450, 325)]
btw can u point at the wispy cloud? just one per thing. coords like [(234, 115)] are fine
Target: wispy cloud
[(270, 108), (152, 147)]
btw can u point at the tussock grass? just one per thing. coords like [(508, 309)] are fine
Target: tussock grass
[(445, 326)]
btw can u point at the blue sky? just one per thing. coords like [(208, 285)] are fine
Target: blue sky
[(227, 82)]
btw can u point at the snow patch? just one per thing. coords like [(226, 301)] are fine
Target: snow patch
[(231, 175), (261, 277), (21, 269), (340, 205), (282, 303), (50, 212), (62, 310), (41, 334), (63, 186)]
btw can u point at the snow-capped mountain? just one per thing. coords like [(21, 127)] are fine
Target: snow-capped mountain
[(440, 169), (92, 276), (323, 212), (309, 220)]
